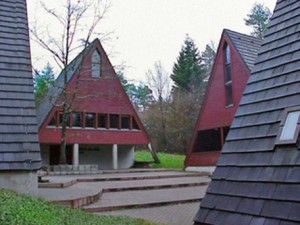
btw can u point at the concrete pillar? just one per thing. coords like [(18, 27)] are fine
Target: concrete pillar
[(75, 155), (115, 156)]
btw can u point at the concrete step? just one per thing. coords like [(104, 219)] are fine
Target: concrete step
[(146, 198), (69, 180)]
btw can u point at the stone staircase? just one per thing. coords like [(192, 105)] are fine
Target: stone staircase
[(124, 189)]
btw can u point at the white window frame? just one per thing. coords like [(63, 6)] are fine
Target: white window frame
[(289, 127), (96, 64)]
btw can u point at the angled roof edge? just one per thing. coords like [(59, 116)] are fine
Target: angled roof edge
[(230, 35), (246, 45), (56, 89)]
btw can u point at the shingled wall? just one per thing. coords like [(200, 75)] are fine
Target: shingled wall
[(257, 180), (19, 148)]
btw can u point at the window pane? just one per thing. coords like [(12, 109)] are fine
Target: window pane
[(53, 120), (76, 120), (227, 72), (89, 120), (114, 121), (290, 125), (102, 120), (228, 89), (96, 64), (125, 122), (61, 119), (227, 55), (134, 124), (208, 140)]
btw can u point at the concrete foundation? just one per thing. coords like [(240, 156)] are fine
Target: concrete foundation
[(209, 169), (20, 181), (106, 157), (45, 154)]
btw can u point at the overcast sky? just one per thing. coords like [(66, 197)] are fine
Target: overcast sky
[(145, 31)]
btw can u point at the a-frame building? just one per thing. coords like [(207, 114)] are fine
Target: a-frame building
[(19, 149), (257, 179), (103, 126), (234, 59)]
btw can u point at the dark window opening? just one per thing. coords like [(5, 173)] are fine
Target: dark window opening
[(225, 132), (61, 119), (228, 78), (208, 140), (125, 122), (114, 121), (227, 73), (53, 120), (76, 119), (134, 124), (228, 90), (89, 120), (102, 120)]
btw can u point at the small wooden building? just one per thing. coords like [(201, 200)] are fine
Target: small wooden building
[(19, 149), (103, 127), (257, 178), (234, 59)]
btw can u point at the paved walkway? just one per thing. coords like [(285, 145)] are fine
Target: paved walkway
[(146, 198), (181, 214), (162, 190), (82, 189)]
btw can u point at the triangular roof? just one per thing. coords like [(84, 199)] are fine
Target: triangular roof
[(56, 89), (19, 148), (246, 45), (214, 114), (257, 178), (94, 95)]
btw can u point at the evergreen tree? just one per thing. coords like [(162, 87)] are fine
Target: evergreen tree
[(188, 71), (208, 57), (140, 95), (42, 81), (258, 18)]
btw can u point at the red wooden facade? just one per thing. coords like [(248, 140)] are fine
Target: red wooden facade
[(101, 112), (225, 87)]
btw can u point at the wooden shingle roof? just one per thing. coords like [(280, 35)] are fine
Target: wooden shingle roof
[(19, 148), (256, 180), (246, 45)]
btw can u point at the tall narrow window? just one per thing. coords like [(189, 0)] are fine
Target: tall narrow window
[(114, 121), (76, 119), (102, 120), (125, 121), (228, 81), (96, 64), (90, 120)]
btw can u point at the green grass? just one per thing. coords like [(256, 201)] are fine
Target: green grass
[(16, 209), (168, 161)]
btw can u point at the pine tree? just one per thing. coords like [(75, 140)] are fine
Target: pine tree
[(258, 18), (188, 72), (42, 81)]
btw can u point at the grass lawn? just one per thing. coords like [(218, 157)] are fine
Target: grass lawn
[(16, 209), (169, 161)]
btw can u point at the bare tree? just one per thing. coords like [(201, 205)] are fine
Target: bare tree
[(159, 82), (75, 23)]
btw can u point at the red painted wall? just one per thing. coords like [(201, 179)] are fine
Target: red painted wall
[(214, 113), (97, 95)]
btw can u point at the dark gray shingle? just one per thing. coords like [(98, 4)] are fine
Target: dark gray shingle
[(264, 176), (19, 147)]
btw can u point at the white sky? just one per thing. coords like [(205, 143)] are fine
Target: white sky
[(145, 31)]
